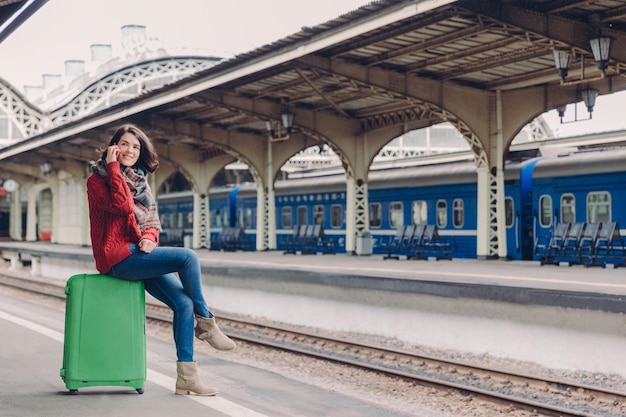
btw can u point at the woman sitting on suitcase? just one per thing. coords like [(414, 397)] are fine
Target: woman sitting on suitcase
[(124, 234)]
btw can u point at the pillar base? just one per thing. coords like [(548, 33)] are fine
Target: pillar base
[(487, 257)]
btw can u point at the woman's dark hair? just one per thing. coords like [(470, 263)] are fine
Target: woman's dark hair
[(148, 159)]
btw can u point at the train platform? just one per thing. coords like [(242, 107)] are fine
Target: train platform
[(554, 316), (31, 355), (511, 281)]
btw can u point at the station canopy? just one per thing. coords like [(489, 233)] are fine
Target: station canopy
[(351, 67)]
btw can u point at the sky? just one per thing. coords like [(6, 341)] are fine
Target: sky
[(608, 115), (65, 29)]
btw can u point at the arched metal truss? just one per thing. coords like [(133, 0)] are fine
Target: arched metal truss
[(22, 119), (492, 233), (202, 218), (426, 111), (26, 120), (361, 211), (539, 129), (128, 83)]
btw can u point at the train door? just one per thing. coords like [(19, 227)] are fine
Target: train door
[(512, 215), (232, 212), (44, 215), (525, 218)]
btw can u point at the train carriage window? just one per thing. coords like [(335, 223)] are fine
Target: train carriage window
[(240, 217), (599, 207), (508, 211), (568, 208), (218, 218), (545, 210), (179, 219), (442, 213), (189, 222), (396, 214), (419, 212), (170, 220), (163, 220), (287, 217), (376, 215), (336, 216), (248, 218), (303, 215), (225, 217), (458, 212), (318, 214)]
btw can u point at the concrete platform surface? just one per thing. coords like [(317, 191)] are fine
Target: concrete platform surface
[(524, 274), (31, 355)]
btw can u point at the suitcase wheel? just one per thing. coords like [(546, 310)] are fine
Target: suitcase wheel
[(139, 390), (73, 391)]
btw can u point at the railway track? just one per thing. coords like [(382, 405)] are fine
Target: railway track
[(539, 396)]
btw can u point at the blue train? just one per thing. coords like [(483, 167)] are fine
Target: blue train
[(574, 186)]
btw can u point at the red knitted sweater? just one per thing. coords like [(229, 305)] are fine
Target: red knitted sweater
[(111, 217)]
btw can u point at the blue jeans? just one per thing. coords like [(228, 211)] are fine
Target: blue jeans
[(184, 296)]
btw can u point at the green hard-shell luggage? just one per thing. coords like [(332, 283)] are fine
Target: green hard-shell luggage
[(105, 338)]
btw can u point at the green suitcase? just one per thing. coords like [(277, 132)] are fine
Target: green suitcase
[(105, 338)]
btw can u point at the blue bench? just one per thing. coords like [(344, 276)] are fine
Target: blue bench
[(418, 242), (588, 244), (309, 240), (608, 247), (231, 239)]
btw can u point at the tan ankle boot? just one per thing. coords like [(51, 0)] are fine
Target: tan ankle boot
[(188, 381), (207, 329)]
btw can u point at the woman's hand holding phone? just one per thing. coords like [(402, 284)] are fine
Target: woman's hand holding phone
[(112, 153)]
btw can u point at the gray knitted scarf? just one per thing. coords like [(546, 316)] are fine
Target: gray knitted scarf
[(145, 209)]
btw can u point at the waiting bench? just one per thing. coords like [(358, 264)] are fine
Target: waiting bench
[(231, 239), (418, 242), (309, 240), (588, 244), (172, 237)]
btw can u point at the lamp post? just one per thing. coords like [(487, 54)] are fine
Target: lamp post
[(561, 111), (280, 131), (287, 119), (562, 61), (601, 48), (589, 96), (46, 168)]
